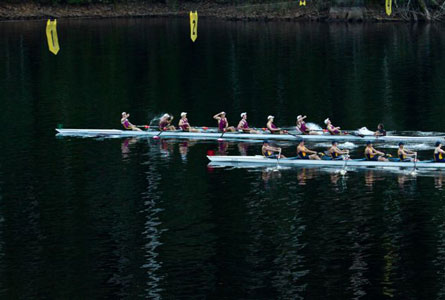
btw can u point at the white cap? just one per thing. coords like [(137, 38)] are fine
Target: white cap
[(183, 113), (299, 117), (243, 114), (270, 117), (123, 113), (166, 116), (223, 113), (326, 121)]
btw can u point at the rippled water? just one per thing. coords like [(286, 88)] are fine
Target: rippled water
[(138, 218)]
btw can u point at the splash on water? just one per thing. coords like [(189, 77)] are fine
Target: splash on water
[(345, 145)]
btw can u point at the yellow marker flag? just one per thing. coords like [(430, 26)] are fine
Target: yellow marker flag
[(51, 36), (388, 4), (194, 25)]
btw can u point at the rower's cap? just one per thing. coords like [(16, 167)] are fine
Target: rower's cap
[(270, 117), (223, 113), (123, 113), (401, 143), (368, 143), (334, 142), (438, 143), (243, 114), (300, 117), (265, 142), (300, 141), (166, 116), (183, 114), (326, 121)]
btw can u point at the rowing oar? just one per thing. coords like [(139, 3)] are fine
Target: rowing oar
[(143, 126), (345, 158), (220, 139), (278, 158), (413, 172), (355, 134)]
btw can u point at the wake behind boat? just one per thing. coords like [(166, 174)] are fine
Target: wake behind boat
[(208, 135), (259, 160)]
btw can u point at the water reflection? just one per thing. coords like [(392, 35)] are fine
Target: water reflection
[(2, 244), (243, 148), (184, 149), (152, 231), (125, 146)]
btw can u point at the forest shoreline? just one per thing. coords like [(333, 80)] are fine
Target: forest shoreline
[(287, 11)]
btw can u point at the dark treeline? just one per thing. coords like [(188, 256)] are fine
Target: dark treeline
[(402, 9)]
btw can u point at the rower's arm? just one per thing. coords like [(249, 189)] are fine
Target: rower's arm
[(441, 151), (217, 116), (309, 151)]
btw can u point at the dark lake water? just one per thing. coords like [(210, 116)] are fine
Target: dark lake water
[(108, 218)]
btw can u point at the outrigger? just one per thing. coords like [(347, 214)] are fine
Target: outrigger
[(209, 135)]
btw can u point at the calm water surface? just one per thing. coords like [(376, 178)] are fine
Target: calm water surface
[(87, 218)]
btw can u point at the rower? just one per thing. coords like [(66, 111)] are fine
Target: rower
[(404, 154), (269, 151), (331, 128), (301, 126), (305, 153), (372, 154), (380, 130), (223, 124), (244, 126), (126, 123), (272, 127), (165, 123), (184, 124), (335, 152), (439, 154)]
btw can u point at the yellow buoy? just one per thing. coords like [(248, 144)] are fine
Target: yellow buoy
[(388, 4), (194, 25), (51, 35)]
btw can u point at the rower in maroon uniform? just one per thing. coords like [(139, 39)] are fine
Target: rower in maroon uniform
[(223, 124), (165, 123), (331, 128), (272, 127), (184, 123), (301, 126), (126, 123), (244, 126)]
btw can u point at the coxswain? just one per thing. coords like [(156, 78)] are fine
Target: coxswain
[(271, 152), (184, 123), (380, 130), (404, 154), (305, 153), (126, 123), (223, 124), (331, 128), (335, 152), (165, 123), (372, 154), (244, 126), (301, 126), (439, 154), (272, 127)]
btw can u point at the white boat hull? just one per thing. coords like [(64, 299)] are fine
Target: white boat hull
[(261, 160), (236, 136)]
